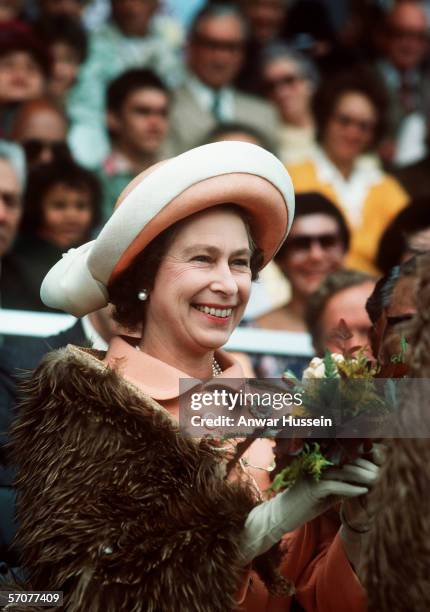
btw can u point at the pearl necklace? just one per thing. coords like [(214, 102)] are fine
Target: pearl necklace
[(216, 368)]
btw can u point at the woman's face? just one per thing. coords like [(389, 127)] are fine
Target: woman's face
[(202, 285), (288, 89), (21, 78), (313, 249), (351, 128), (67, 216)]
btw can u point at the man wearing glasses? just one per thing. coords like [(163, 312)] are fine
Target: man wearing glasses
[(215, 54), (405, 44)]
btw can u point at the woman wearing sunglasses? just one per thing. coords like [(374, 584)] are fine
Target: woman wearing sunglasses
[(119, 507), (350, 111), (317, 245)]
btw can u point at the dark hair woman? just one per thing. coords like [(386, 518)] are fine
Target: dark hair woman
[(349, 113), (119, 507)]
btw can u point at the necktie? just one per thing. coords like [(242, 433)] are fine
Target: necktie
[(407, 94), (216, 106)]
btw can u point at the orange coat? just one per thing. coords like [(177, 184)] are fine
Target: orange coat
[(382, 200), (315, 560), (316, 563)]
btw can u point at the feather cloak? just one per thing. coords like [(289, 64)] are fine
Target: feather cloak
[(116, 507)]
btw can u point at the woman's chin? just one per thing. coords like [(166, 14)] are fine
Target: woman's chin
[(214, 340)]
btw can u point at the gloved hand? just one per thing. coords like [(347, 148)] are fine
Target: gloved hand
[(357, 513), (268, 522)]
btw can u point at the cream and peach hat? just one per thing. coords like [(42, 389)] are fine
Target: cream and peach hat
[(222, 172)]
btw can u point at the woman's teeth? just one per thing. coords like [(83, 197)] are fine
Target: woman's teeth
[(217, 312)]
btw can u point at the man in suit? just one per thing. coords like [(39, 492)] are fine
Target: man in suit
[(18, 357), (215, 54)]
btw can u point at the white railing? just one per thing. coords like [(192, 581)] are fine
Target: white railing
[(244, 339)]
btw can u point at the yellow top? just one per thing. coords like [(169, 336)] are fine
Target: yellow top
[(369, 200)]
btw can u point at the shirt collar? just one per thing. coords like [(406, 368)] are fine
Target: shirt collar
[(205, 94), (154, 377)]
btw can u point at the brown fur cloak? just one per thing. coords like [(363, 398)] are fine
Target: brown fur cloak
[(115, 506)]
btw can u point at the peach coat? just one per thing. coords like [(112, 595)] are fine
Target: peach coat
[(314, 558)]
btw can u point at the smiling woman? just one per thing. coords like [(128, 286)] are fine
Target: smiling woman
[(143, 517), (204, 265), (350, 114)]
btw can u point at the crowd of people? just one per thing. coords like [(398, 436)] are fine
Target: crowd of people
[(344, 106), (97, 97)]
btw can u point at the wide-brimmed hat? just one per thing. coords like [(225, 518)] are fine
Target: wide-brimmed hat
[(223, 172)]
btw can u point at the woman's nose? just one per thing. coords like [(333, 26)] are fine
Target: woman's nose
[(224, 281), (316, 251)]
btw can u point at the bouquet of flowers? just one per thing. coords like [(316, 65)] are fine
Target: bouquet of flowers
[(326, 382)]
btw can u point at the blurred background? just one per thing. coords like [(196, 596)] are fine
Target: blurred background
[(92, 92)]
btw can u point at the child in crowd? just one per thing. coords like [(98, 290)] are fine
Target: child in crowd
[(61, 210)]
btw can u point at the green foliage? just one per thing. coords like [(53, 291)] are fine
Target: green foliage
[(330, 368), (310, 461)]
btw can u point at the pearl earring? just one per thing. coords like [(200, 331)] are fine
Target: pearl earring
[(143, 295)]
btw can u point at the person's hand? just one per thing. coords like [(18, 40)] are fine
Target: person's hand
[(357, 513), (268, 522)]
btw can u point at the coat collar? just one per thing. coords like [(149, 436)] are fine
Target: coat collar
[(152, 376)]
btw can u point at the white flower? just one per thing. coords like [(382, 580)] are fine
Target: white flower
[(337, 357), (315, 369)]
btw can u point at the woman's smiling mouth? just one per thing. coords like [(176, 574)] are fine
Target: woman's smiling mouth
[(218, 312)]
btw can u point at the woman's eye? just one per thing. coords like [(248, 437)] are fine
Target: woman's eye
[(202, 258), (241, 262)]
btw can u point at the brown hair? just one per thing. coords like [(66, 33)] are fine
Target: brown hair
[(129, 310), (361, 81)]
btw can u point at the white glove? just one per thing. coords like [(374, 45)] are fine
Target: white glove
[(358, 511), (356, 514), (268, 522)]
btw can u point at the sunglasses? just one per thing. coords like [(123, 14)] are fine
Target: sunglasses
[(304, 243), (35, 146), (212, 44), (288, 80), (366, 127)]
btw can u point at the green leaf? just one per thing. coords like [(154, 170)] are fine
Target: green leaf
[(330, 367), (310, 462)]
